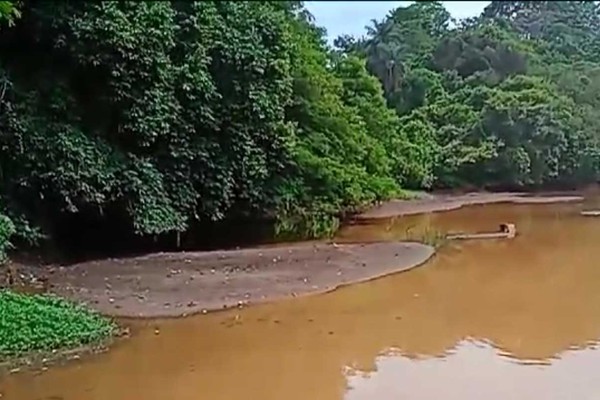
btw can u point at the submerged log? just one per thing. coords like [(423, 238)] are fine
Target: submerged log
[(507, 231)]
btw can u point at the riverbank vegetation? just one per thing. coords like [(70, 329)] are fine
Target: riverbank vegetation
[(150, 119), (42, 324)]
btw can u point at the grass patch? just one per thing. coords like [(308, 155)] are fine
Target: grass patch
[(429, 236), (43, 323)]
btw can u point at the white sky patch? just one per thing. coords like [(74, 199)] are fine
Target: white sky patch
[(351, 17)]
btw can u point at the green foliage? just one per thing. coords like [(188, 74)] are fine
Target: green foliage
[(487, 53), (531, 124), (45, 323), (152, 117), (7, 229), (340, 159), (8, 12), (403, 40), (497, 101), (568, 30), (167, 113)]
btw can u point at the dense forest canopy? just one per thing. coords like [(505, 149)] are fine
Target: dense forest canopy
[(155, 117)]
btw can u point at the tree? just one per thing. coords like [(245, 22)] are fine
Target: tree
[(155, 118), (486, 52), (157, 114), (571, 28)]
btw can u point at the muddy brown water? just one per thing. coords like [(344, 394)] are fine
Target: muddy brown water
[(497, 319)]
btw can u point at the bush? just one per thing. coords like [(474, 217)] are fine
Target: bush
[(44, 323), (7, 229)]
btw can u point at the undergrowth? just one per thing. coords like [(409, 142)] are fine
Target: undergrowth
[(7, 229), (40, 323)]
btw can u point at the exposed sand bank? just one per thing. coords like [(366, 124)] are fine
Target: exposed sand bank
[(174, 284)]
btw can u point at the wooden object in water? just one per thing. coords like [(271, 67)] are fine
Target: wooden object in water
[(507, 231), (591, 213)]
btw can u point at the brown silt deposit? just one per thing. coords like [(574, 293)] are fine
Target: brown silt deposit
[(175, 284)]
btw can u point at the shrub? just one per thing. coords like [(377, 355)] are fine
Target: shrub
[(7, 229)]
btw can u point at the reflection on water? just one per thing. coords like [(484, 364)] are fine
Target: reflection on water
[(536, 297), (478, 371)]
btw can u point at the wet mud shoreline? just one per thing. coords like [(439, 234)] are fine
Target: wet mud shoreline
[(177, 284), (183, 283), (445, 202)]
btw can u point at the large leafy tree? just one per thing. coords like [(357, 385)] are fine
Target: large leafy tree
[(156, 112), (158, 117), (402, 41), (569, 28), (467, 107)]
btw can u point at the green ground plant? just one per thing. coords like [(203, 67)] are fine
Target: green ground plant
[(42, 323)]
